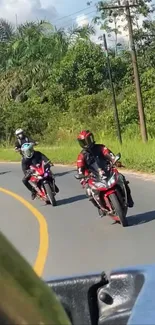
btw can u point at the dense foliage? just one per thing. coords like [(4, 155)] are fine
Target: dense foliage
[(55, 82)]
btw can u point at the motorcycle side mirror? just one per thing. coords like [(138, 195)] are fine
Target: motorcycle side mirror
[(118, 156), (46, 162)]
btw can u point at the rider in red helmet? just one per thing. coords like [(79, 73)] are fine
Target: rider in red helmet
[(90, 152)]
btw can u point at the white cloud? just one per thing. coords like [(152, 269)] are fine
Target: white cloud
[(46, 9), (26, 10), (122, 38), (82, 20)]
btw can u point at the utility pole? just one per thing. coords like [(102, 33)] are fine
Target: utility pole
[(127, 7), (113, 91), (136, 76)]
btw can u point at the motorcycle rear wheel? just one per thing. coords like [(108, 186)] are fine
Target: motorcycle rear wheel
[(118, 209)]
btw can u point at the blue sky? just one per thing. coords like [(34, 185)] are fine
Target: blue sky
[(53, 10), (62, 13)]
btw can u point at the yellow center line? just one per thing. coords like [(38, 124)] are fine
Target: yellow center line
[(43, 229)]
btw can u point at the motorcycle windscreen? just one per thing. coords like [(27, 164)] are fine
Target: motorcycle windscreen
[(96, 165)]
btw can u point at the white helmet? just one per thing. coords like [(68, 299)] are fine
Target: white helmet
[(19, 132)]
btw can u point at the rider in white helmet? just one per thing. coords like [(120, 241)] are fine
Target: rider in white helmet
[(21, 139)]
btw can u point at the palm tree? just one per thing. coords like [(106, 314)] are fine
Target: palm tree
[(83, 32), (6, 30)]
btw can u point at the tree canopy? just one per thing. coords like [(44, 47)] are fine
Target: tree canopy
[(55, 82)]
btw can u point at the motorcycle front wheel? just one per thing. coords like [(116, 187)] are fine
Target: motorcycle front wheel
[(50, 194), (118, 209)]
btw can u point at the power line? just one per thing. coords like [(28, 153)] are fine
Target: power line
[(74, 13), (68, 22), (71, 23)]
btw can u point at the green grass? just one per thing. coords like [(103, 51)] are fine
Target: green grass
[(57, 154), (135, 154)]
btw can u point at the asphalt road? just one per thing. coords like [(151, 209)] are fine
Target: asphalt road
[(79, 241)]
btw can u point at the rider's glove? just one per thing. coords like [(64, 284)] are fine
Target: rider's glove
[(29, 172), (101, 172), (119, 164), (83, 182)]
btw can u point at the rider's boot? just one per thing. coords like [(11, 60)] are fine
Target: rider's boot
[(56, 189), (33, 194), (100, 211), (128, 191), (91, 199), (53, 184), (129, 196)]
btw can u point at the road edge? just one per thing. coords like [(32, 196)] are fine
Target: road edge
[(140, 174)]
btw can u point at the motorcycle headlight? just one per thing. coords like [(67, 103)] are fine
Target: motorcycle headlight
[(112, 180), (100, 184), (36, 173)]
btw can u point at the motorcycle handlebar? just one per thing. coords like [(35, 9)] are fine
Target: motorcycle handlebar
[(45, 163), (111, 163), (48, 162), (81, 176)]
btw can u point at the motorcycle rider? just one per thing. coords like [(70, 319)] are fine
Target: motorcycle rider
[(21, 139), (90, 152), (31, 157)]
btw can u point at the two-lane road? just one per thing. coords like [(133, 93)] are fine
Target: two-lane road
[(79, 241)]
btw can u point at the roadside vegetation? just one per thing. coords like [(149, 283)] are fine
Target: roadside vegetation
[(135, 155), (54, 83)]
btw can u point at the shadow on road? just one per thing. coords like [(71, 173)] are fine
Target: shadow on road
[(3, 173), (64, 173), (141, 218), (72, 199)]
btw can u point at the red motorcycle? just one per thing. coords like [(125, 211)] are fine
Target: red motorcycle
[(108, 190), (43, 181)]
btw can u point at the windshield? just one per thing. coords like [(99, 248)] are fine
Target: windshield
[(102, 164)]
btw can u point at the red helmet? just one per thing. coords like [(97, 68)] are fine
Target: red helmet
[(85, 139)]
